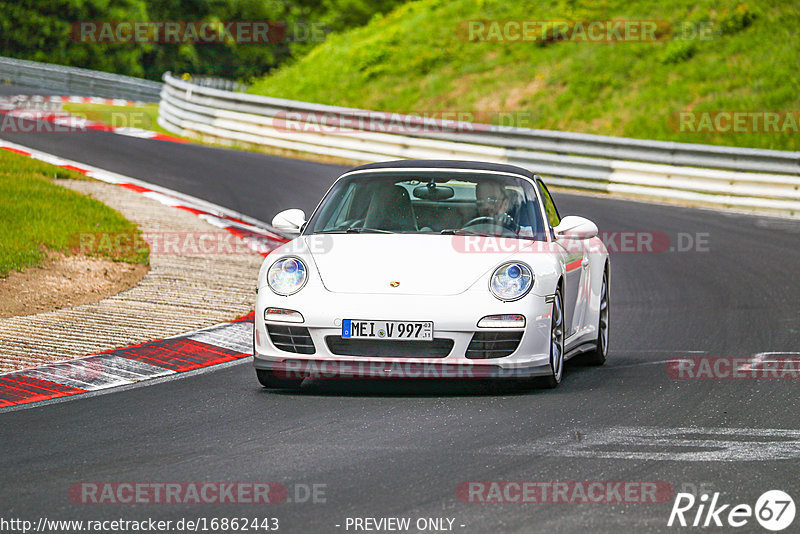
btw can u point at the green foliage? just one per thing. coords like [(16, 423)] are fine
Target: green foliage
[(709, 55), (225, 60), (40, 31), (735, 20), (412, 56), (678, 52)]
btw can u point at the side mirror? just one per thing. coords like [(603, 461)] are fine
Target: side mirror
[(289, 221), (574, 227)]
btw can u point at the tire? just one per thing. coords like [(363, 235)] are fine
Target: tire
[(268, 379), (556, 344), (600, 352)]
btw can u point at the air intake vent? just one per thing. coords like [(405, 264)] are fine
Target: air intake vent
[(291, 338), (438, 348), (487, 345)]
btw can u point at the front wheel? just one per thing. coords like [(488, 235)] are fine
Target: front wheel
[(600, 352), (556, 343), (269, 379)]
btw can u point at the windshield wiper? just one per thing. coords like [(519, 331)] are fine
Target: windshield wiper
[(362, 230), (457, 231), (356, 230)]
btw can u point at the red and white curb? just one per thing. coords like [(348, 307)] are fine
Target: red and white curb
[(119, 367), (84, 100), (76, 100), (20, 113), (202, 348)]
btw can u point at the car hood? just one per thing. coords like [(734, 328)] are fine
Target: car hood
[(419, 264)]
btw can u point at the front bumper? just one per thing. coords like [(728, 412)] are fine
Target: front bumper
[(455, 317), (321, 368)]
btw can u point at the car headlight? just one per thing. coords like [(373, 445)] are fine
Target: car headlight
[(511, 281), (287, 276)]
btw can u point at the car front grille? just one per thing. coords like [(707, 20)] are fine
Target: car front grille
[(488, 345), (382, 348), (291, 339)]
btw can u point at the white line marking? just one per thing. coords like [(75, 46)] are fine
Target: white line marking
[(688, 444), (761, 358), (658, 351), (639, 364), (215, 221), (164, 199), (47, 158)]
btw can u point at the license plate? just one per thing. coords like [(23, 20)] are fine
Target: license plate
[(364, 329)]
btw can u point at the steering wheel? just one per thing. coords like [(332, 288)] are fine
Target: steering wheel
[(506, 222)]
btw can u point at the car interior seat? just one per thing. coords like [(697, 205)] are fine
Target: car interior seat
[(390, 209)]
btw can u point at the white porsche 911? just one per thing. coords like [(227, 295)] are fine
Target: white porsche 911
[(432, 269)]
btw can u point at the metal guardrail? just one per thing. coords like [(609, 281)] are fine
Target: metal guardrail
[(724, 176), (68, 81), (218, 83)]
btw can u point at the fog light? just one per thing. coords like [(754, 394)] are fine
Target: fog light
[(502, 321), (283, 316)]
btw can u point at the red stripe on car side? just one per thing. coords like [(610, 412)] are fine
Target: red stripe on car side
[(574, 265)]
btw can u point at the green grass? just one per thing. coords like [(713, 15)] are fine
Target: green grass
[(145, 116), (37, 215), (417, 60)]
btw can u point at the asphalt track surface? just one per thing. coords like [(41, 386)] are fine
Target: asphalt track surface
[(401, 449)]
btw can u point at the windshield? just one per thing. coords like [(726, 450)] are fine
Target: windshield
[(434, 202)]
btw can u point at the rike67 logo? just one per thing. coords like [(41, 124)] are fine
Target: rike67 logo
[(774, 511)]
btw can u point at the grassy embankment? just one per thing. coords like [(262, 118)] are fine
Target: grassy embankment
[(419, 59), (37, 215)]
